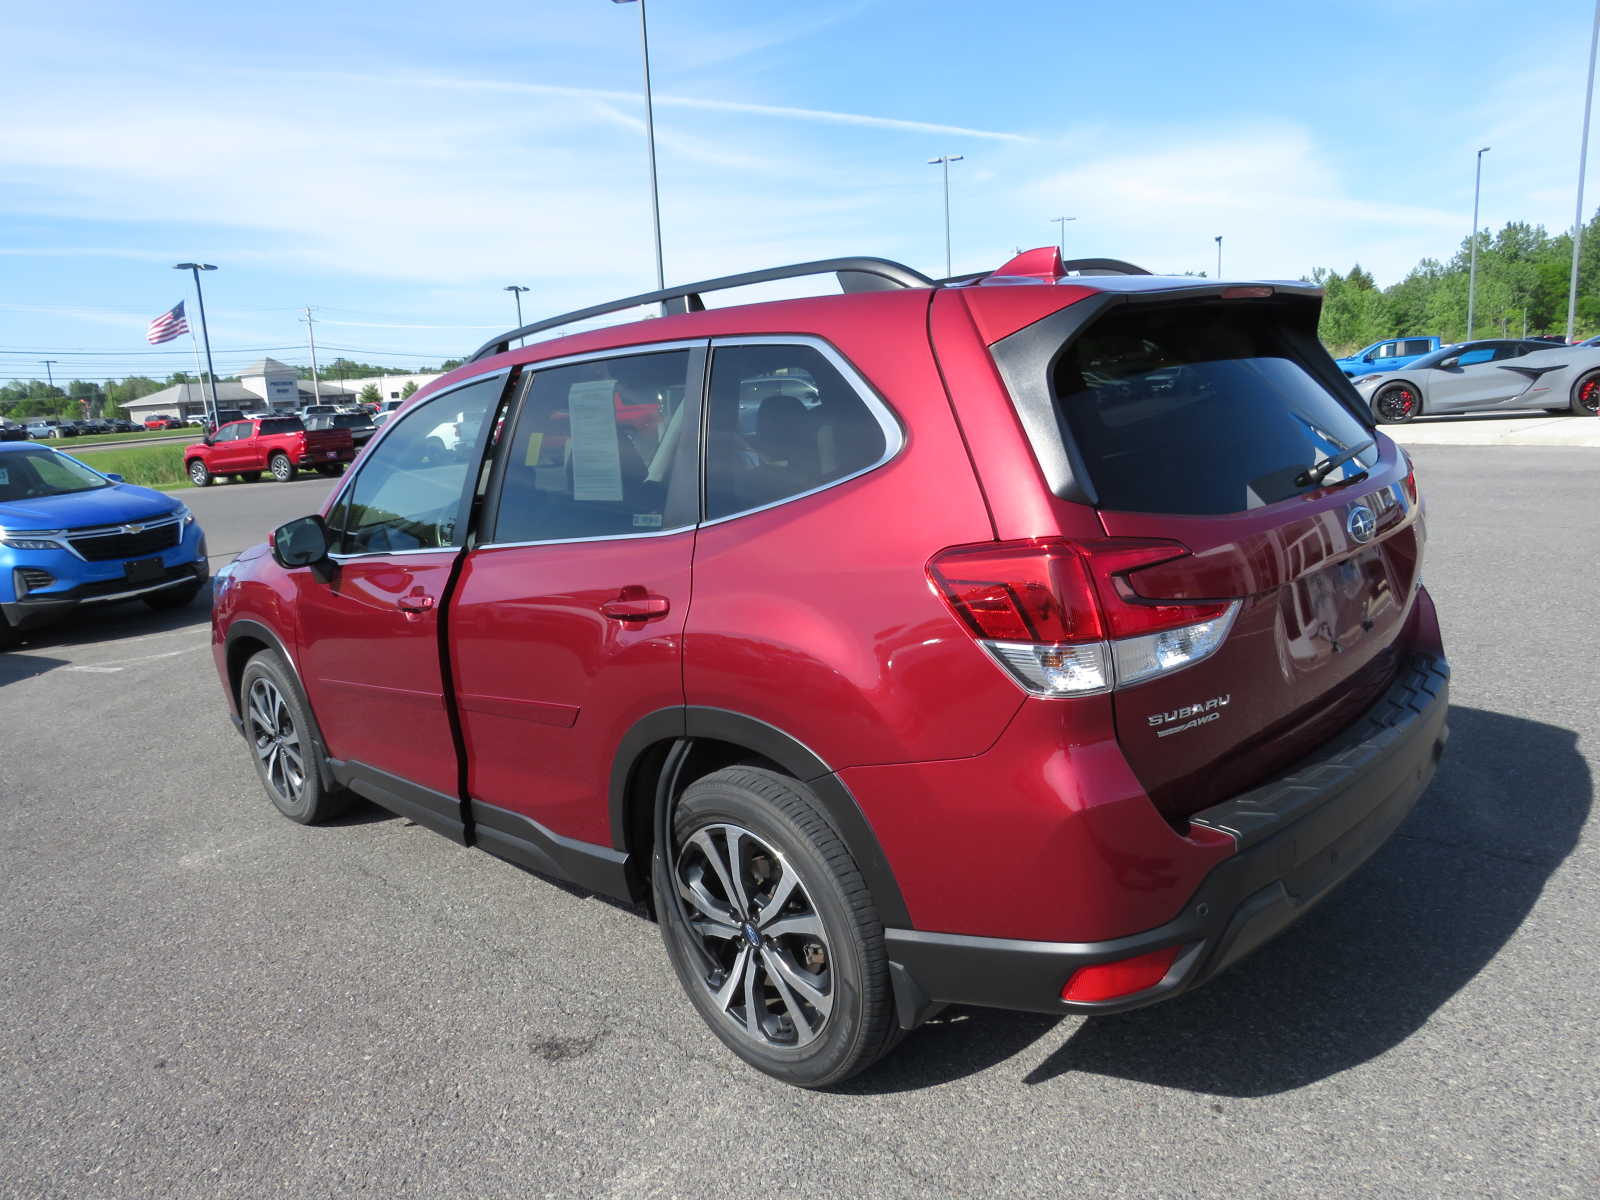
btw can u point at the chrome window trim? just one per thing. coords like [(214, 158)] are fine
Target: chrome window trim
[(894, 438), (569, 360), (377, 440)]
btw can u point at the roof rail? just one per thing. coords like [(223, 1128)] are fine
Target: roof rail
[(855, 275)]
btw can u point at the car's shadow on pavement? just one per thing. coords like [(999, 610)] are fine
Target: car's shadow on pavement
[(97, 626), (1359, 974)]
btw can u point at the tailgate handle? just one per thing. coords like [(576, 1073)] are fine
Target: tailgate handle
[(635, 604)]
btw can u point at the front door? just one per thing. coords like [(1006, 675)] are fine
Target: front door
[(567, 625), (370, 660)]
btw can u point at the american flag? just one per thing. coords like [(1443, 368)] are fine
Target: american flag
[(167, 326)]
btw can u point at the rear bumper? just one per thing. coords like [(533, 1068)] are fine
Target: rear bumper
[(1297, 838)]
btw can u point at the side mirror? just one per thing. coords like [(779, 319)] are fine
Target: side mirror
[(114, 477), (300, 543), (1450, 362)]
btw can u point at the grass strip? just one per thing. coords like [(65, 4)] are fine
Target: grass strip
[(147, 466)]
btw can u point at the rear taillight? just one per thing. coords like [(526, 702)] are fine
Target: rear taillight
[(1411, 478), (1062, 619)]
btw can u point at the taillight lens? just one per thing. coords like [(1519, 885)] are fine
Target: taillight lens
[(1063, 620), (1411, 478)]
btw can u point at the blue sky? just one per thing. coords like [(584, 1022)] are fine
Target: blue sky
[(394, 166)]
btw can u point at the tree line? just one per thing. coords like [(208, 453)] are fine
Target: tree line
[(1523, 274)]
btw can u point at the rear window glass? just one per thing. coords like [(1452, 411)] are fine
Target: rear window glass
[(1200, 409), (281, 425)]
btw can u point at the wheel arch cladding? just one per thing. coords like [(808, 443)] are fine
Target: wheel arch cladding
[(722, 738)]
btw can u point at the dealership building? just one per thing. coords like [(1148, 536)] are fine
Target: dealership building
[(266, 386)]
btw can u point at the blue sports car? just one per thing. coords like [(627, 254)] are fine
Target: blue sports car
[(70, 536)]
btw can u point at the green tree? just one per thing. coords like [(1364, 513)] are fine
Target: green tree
[(409, 390), (371, 395)]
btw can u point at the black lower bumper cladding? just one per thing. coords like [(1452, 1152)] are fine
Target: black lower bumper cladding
[(1298, 837)]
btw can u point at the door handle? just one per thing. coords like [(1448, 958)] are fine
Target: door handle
[(416, 602), (635, 604)]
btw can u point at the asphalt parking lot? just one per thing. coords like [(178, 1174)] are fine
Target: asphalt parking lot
[(203, 999)]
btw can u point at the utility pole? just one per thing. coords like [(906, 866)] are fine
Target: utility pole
[(50, 375), (1062, 221), (311, 332), (945, 160), (1472, 270), (1583, 162)]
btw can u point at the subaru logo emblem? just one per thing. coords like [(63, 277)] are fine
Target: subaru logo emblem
[(1361, 523), (133, 529)]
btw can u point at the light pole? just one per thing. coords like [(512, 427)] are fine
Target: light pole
[(650, 133), (1472, 269), (1062, 221), (1218, 240), (945, 160), (1583, 157), (205, 334), (516, 289)]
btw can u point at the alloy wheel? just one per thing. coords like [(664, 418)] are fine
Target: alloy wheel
[(767, 960), (1589, 394), (277, 741), (1397, 403)]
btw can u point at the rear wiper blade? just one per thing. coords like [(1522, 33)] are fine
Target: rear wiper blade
[(1312, 476)]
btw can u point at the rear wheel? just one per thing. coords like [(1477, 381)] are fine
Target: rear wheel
[(280, 466), (332, 469), (782, 952), (1396, 403), (199, 473), (288, 759), (1586, 395)]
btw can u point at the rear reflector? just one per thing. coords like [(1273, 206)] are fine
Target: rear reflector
[(1112, 980), (1062, 618)]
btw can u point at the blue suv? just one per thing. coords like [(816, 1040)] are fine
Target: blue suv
[(71, 536)]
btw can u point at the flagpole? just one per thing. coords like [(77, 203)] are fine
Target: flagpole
[(198, 369), (205, 333)]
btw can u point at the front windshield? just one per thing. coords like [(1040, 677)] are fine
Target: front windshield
[(1444, 352), (34, 473)]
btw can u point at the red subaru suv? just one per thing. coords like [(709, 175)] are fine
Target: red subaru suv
[(1047, 639)]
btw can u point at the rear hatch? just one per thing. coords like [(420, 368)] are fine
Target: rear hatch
[(1261, 535)]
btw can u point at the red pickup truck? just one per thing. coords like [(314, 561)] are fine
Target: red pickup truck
[(281, 445)]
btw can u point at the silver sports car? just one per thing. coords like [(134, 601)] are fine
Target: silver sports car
[(1475, 376)]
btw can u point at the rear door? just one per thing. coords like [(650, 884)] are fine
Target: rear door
[(567, 625), (1191, 425)]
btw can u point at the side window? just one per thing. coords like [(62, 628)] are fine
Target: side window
[(1482, 354), (1417, 346), (593, 450), (410, 493), (782, 421), (229, 433), (1387, 350)]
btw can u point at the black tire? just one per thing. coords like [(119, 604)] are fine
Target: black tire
[(832, 943), (1586, 395), (173, 597), (333, 470), (282, 469), (1396, 403), (199, 474), (248, 476), (276, 719), (10, 636)]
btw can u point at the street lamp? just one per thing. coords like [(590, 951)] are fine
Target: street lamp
[(211, 371), (650, 132), (1472, 270), (1062, 221), (1218, 240), (945, 160), (1583, 157), (516, 289)]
